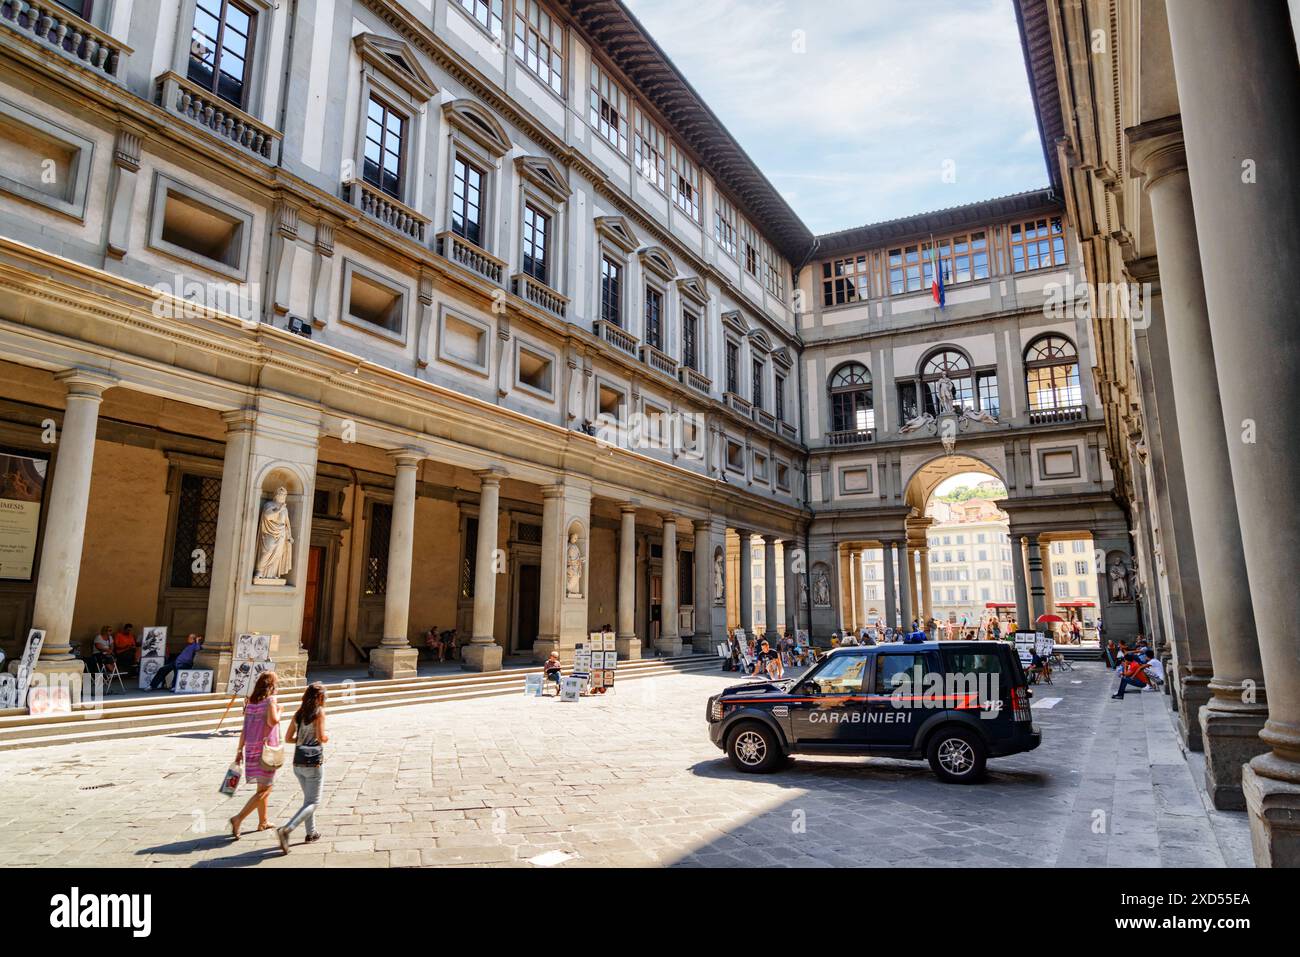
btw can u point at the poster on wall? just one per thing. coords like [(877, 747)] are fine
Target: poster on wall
[(22, 492)]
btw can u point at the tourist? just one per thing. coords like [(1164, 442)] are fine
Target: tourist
[(261, 724), (552, 669), (1133, 676), (182, 659), (125, 650), (308, 737), (433, 644), (763, 661), (103, 649)]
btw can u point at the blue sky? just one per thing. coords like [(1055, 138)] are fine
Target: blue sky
[(858, 127)]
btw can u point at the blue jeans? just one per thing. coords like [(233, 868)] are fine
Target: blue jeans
[(1128, 683), (311, 780)]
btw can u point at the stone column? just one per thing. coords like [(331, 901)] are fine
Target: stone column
[(746, 582), (769, 589), (891, 604), (628, 644), (905, 579), (65, 529), (927, 606), (1036, 606), (1235, 714), (702, 642), (396, 657), (1237, 77), (1018, 577), (790, 552), (669, 641), (483, 653), (1049, 588), (855, 577)]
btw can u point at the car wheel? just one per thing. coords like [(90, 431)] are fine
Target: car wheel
[(754, 749), (957, 756)]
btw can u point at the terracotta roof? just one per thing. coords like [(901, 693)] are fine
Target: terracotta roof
[(613, 29)]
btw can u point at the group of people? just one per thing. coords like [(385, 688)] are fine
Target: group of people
[(1138, 667), (118, 653), (441, 645), (758, 658), (260, 736)]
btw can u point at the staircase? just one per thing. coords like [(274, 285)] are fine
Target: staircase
[(175, 714)]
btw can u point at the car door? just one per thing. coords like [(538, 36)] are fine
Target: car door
[(828, 708), (897, 704)]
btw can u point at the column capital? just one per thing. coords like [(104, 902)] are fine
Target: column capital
[(492, 476), (771, 540), (408, 457), (702, 524), (744, 534), (1155, 149), (628, 508), (669, 518), (86, 383), (240, 420)]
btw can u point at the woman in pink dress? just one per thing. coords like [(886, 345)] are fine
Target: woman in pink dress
[(261, 723)]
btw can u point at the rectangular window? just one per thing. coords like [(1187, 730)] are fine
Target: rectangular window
[(845, 281), (686, 184), (690, 340), (537, 228), (487, 13), (749, 247), (733, 368), (196, 530), (651, 151), (539, 43), (1081, 568), (988, 393), (772, 277), (611, 291), (467, 201), (724, 223), (778, 395), (381, 164), (654, 311), (221, 46), (756, 393), (1037, 244), (376, 569), (608, 109)]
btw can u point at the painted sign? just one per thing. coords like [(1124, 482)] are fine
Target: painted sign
[(22, 493)]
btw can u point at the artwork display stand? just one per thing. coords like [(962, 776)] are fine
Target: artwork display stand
[(252, 659)]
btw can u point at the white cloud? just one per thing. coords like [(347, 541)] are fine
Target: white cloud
[(858, 128)]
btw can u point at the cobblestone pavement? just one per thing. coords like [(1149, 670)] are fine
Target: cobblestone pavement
[(632, 779)]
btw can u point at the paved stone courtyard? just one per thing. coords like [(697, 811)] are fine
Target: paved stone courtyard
[(632, 780)]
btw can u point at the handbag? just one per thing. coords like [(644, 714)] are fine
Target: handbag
[(308, 755), (272, 755)]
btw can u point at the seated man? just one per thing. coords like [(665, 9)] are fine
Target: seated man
[(125, 650), (181, 660), (434, 644), (763, 659), (103, 649), (552, 669), (1133, 676)]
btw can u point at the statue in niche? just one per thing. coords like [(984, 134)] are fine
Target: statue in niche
[(719, 579), (275, 540), (573, 567), (1120, 581), (821, 589)]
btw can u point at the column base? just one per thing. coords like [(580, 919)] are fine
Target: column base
[(704, 644), (628, 648), (388, 662), (1193, 694), (669, 647), (53, 672), (482, 657), (1231, 739), (292, 671), (1272, 789)]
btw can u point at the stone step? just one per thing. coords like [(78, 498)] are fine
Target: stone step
[(40, 732)]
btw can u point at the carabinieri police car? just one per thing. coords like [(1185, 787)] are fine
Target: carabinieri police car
[(953, 703)]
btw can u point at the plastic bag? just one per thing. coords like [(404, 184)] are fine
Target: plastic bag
[(230, 783)]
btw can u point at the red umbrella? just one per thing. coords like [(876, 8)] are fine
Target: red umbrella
[(1051, 620)]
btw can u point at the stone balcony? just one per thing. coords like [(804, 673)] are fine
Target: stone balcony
[(192, 103), (739, 403), (379, 206), (765, 419), (56, 28), (615, 336), (1071, 413), (465, 254), (539, 294), (659, 360), (851, 437), (696, 380), (789, 431)]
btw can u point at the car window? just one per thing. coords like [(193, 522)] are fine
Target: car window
[(900, 674), (973, 662), (841, 675)]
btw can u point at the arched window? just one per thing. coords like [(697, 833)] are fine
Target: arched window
[(851, 406), (973, 388), (956, 366), (1052, 375)]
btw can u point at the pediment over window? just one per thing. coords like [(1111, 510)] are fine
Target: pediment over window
[(546, 175), (782, 357), (479, 125), (734, 321), (657, 260), (693, 288), (758, 340), (397, 62), (617, 231)]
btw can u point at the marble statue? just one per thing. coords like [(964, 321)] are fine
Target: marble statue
[(920, 422), (821, 589), (275, 539), (573, 567), (947, 394), (979, 415), (1119, 581), (719, 579)]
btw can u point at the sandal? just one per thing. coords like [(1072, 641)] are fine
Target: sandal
[(234, 829)]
